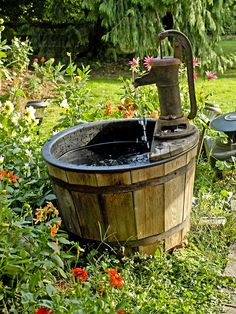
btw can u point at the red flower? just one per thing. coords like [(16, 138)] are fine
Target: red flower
[(211, 75), (115, 280), (121, 108), (120, 312), (44, 310), (43, 59), (80, 274), (147, 62)]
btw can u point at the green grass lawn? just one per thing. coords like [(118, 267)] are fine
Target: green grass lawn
[(105, 88), (228, 45), (223, 90)]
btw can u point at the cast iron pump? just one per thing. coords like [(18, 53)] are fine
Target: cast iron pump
[(171, 124)]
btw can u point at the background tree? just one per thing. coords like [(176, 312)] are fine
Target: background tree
[(111, 28)]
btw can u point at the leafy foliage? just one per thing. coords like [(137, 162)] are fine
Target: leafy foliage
[(124, 26), (43, 270)]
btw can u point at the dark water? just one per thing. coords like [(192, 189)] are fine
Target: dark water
[(109, 154)]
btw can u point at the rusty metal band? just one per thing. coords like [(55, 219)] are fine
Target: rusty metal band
[(147, 240), (155, 238), (121, 188)]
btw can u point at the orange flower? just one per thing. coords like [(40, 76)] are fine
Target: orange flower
[(109, 107), (12, 178), (53, 230), (43, 214), (154, 114), (120, 312), (115, 280), (56, 243), (129, 114), (3, 174), (80, 274), (128, 102)]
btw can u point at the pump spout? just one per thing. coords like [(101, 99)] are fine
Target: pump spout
[(147, 79)]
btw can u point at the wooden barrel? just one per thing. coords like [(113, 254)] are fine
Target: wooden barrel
[(133, 207)]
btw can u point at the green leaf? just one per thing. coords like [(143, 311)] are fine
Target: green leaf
[(50, 197), (53, 246), (50, 290), (64, 241), (58, 260)]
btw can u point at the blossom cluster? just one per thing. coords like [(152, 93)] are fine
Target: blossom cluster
[(43, 214), (8, 176), (115, 279), (135, 66), (127, 107), (135, 63)]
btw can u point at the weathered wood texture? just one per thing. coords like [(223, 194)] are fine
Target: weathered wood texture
[(137, 209)]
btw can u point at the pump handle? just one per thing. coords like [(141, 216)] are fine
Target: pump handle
[(183, 41)]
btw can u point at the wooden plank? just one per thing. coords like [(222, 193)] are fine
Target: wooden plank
[(111, 179), (189, 183), (82, 178), (149, 211), (147, 173), (120, 217), (175, 164), (118, 213), (174, 201), (150, 249), (57, 172), (90, 218), (67, 209)]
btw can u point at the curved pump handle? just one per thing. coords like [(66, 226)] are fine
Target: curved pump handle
[(183, 41)]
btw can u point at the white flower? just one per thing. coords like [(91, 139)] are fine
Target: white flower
[(30, 113), (14, 120), (64, 104), (9, 107), (26, 139), (1, 159), (29, 154)]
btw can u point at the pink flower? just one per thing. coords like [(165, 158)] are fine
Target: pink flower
[(210, 75), (194, 75), (147, 62), (43, 59), (196, 62), (134, 64)]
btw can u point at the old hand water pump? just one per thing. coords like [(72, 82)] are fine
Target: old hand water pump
[(173, 133)]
